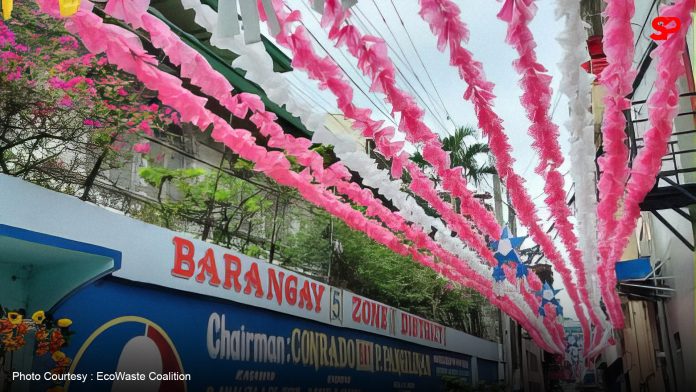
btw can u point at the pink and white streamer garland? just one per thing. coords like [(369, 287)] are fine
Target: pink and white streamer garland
[(230, 42), (617, 78), (536, 99), (123, 49), (663, 105), (181, 55), (374, 62), (443, 18), (330, 76), (576, 84)]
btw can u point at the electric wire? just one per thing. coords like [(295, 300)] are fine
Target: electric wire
[(420, 59), (436, 116), (389, 117), (404, 59), (361, 77)]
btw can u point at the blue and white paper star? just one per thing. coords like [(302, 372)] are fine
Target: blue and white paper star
[(548, 295), (506, 251)]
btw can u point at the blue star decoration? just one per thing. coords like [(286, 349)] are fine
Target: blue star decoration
[(505, 252), (548, 295)]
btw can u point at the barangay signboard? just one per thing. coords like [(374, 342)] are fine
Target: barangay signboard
[(139, 332), (279, 289), (155, 256), (242, 281)]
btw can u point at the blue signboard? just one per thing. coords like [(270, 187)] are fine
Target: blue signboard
[(132, 337)]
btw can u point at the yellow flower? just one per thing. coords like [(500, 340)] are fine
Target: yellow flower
[(38, 317), (14, 317), (58, 356), (64, 322)]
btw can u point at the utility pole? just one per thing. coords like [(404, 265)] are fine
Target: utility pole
[(504, 322)]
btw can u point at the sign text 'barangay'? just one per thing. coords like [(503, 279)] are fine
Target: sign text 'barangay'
[(228, 272), (250, 281)]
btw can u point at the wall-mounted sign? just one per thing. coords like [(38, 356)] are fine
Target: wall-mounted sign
[(183, 342), (164, 259)]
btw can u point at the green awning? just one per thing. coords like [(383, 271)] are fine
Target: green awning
[(181, 21)]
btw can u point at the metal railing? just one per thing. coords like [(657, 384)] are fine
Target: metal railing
[(674, 174)]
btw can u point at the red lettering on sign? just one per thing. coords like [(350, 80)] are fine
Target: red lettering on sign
[(232, 274), (275, 284), (422, 329), (206, 267), (318, 291), (356, 309), (291, 289), (281, 285), (370, 313), (253, 279), (305, 297), (184, 266)]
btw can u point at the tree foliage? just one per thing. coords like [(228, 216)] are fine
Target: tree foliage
[(66, 116), (358, 264), (463, 154)]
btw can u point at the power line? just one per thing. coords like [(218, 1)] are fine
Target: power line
[(386, 115), (404, 59), (436, 116), (303, 93), (354, 68), (420, 59)]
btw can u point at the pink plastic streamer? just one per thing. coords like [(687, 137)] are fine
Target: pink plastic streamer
[(617, 78), (444, 21), (536, 99), (373, 60), (123, 49), (663, 105), (328, 74), (182, 55), (331, 77)]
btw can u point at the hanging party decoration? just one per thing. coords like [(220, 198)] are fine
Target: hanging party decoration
[(548, 296), (442, 236), (536, 100), (576, 85), (467, 247), (443, 18), (506, 251), (371, 54), (663, 106), (295, 147), (617, 78), (220, 42), (128, 55), (331, 77)]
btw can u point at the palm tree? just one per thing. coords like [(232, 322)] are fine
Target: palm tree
[(464, 154)]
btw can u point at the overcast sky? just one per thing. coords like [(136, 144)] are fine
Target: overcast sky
[(487, 42)]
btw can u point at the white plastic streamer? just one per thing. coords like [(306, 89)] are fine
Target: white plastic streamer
[(576, 85), (258, 65)]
